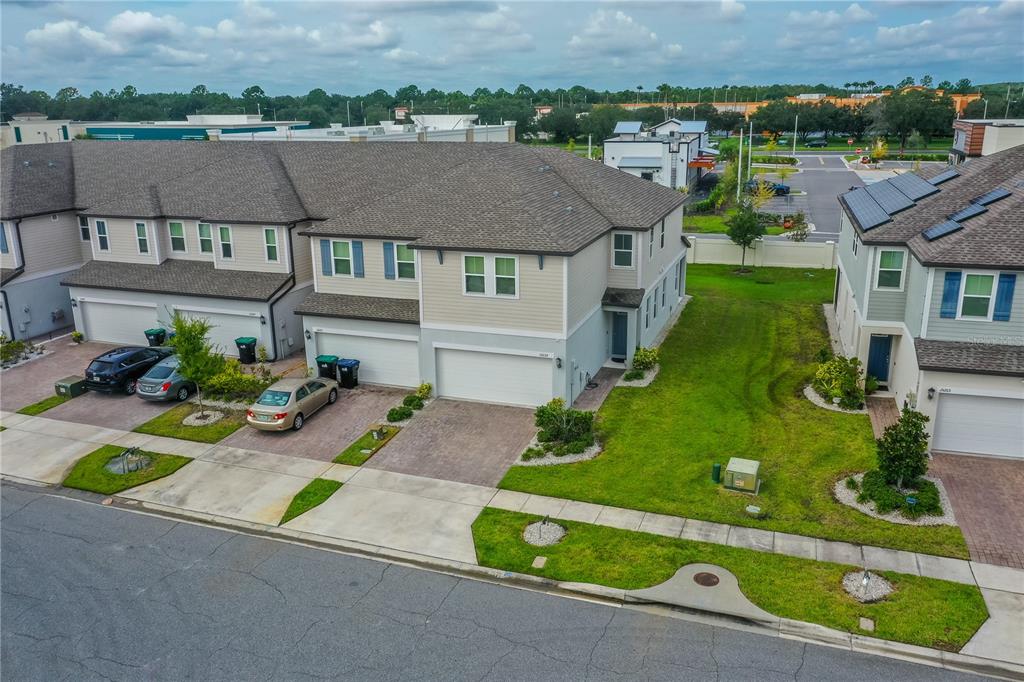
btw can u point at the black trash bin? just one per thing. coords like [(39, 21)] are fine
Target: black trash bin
[(246, 349), (327, 366), (348, 370), (157, 336)]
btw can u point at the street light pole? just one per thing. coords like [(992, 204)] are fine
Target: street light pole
[(750, 148), (739, 168), (985, 115), (795, 122)]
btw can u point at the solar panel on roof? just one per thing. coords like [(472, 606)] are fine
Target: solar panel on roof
[(991, 197), (865, 209), (944, 176), (914, 186), (969, 212), (888, 197), (941, 230)]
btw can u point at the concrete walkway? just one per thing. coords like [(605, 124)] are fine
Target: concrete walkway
[(433, 518)]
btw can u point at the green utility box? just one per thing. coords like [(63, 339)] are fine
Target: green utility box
[(70, 387), (741, 474)]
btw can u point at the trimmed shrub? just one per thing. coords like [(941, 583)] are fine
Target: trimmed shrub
[(77, 337), (232, 383), (633, 375), (840, 377), (562, 424), (903, 449), (787, 160), (645, 358), (851, 483), (532, 453), (702, 207), (414, 401), (399, 414), (887, 498), (11, 351), (425, 390)]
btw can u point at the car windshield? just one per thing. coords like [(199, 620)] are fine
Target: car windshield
[(274, 398), (159, 372), (97, 366)]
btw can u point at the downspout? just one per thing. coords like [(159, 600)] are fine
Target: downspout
[(18, 270), (273, 300)]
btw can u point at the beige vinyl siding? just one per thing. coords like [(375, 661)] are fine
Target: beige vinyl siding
[(624, 278), (123, 246), (248, 249), (9, 260), (373, 282), (301, 254), (587, 279), (50, 244), (191, 229), (976, 331), (655, 269), (538, 307)]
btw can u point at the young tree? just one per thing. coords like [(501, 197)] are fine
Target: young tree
[(763, 192), (800, 229), (744, 230), (198, 359), (903, 449)]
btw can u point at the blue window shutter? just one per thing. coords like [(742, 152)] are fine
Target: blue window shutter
[(325, 257), (950, 294), (389, 260), (357, 259), (3, 238), (1004, 297)]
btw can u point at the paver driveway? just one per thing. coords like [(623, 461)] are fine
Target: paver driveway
[(985, 493), (327, 432), (109, 410), (459, 441), (33, 381)]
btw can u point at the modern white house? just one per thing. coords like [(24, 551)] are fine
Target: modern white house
[(422, 128), (674, 153), (927, 296), (981, 137)]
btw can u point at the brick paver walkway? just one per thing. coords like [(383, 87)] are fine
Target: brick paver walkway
[(883, 413), (986, 496), (592, 398)]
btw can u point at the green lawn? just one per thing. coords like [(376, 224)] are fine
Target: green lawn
[(169, 424), (838, 144), (44, 405), (89, 472), (921, 611), (354, 455), (732, 373), (313, 495), (715, 224)]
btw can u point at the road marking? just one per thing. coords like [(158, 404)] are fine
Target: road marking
[(821, 160)]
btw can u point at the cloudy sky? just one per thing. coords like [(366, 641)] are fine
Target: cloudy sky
[(289, 47)]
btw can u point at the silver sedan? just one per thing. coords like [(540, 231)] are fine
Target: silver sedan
[(162, 382)]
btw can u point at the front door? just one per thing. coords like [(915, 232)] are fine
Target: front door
[(879, 353), (619, 327)]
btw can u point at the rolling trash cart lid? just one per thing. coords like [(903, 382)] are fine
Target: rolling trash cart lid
[(348, 362), (246, 340), (327, 359)]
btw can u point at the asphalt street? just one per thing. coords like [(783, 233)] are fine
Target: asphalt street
[(93, 592)]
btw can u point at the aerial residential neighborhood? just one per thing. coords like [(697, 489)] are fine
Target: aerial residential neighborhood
[(598, 353)]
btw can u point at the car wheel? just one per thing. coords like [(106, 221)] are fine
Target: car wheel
[(332, 397), (182, 394), (298, 422), (129, 387)]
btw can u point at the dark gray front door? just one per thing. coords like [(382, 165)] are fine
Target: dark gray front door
[(619, 329)]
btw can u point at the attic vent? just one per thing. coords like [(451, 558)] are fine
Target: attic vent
[(51, 164), (27, 163), (568, 209), (555, 193)]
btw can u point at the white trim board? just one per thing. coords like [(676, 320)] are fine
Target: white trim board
[(365, 334), (118, 301), (215, 311), (494, 330), (438, 345)]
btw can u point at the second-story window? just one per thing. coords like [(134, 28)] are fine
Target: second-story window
[(505, 276), (102, 238), (270, 242), (142, 237), (205, 232), (405, 262), (622, 250), (342, 255), (890, 270), (977, 297), (476, 280), (227, 250), (83, 228), (177, 231)]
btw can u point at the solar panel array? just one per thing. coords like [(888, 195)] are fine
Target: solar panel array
[(865, 209), (914, 186), (942, 229), (991, 197), (969, 212), (889, 197), (944, 176)]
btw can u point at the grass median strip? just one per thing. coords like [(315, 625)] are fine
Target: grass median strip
[(354, 454), (921, 611), (313, 495), (44, 405), (90, 472), (170, 424)]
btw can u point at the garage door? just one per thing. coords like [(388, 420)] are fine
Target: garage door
[(493, 377), (980, 425), (117, 323), (394, 362), (225, 328)]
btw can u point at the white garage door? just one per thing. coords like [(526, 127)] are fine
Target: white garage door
[(394, 362), (117, 323), (980, 425), (493, 377), (225, 328)]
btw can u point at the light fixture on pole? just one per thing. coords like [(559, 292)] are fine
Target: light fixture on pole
[(750, 149), (796, 121)]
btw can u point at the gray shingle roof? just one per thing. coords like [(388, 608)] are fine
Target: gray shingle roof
[(495, 196), (993, 239), (625, 298), (181, 277), (970, 358), (361, 307)]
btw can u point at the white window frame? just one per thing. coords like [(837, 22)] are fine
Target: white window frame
[(632, 251), (84, 231), (662, 234), (184, 239), (854, 245), (143, 238), (276, 245), (230, 242), (490, 276), (415, 270), (991, 296), (200, 239), (878, 270), (101, 236), (650, 245), (351, 259)]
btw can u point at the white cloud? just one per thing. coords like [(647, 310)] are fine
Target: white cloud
[(612, 33), (144, 26), (905, 36), (69, 37), (497, 30), (172, 56), (816, 19), (731, 10), (255, 12)]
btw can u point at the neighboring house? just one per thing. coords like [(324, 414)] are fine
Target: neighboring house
[(423, 128), (673, 154), (927, 296), (976, 137), (32, 127)]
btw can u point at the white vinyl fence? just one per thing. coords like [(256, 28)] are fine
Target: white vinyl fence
[(774, 253)]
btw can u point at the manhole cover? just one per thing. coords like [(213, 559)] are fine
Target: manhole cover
[(706, 579)]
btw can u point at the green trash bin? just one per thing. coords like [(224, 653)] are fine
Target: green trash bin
[(246, 349), (327, 366), (157, 336)]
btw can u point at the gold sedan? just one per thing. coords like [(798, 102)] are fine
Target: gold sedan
[(289, 402)]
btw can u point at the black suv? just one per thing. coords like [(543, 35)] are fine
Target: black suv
[(117, 371)]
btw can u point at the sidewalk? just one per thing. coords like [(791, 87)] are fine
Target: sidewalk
[(388, 513)]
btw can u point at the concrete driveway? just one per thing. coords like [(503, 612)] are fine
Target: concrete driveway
[(459, 441), (33, 381), (327, 432)]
